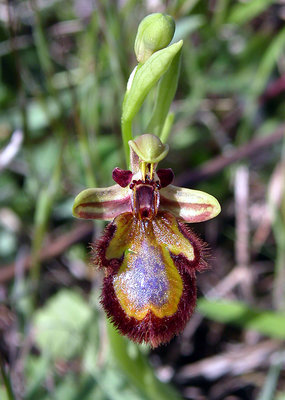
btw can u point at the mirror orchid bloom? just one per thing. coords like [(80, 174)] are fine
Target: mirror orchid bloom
[(149, 254)]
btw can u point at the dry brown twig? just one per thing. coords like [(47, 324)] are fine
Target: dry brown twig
[(52, 249), (217, 164), (239, 360)]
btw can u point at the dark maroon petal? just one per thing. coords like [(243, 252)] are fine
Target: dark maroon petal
[(166, 176), (122, 177)]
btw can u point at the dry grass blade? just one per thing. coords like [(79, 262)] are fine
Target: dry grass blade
[(239, 360), (11, 150), (54, 247)]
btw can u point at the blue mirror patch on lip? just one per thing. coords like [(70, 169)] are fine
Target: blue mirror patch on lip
[(145, 281)]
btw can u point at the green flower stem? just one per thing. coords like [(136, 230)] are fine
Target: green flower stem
[(166, 92), (127, 135), (167, 127), (126, 125)]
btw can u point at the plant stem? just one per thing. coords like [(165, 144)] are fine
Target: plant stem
[(127, 135), (165, 94), (167, 127)]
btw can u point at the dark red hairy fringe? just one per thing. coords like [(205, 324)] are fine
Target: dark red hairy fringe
[(151, 329), (98, 255), (201, 248)]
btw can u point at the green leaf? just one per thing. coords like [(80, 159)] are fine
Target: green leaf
[(267, 64), (3, 393), (36, 371), (146, 77), (234, 312), (115, 385), (60, 325), (134, 364), (269, 60), (242, 13)]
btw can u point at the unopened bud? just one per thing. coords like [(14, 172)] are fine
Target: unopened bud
[(154, 33), (149, 148)]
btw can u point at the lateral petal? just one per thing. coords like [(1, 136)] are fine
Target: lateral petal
[(191, 205), (102, 203)]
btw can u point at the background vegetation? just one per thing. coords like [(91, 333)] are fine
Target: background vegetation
[(64, 67)]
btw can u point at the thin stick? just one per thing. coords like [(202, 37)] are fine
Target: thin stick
[(58, 246), (216, 165)]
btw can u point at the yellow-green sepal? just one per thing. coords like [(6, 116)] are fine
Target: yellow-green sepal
[(188, 204), (102, 203), (149, 148)]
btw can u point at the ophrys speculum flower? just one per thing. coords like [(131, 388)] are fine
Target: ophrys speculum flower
[(150, 256)]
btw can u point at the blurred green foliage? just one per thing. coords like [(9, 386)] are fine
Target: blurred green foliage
[(63, 73)]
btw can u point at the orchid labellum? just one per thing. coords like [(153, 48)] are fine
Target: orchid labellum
[(149, 255)]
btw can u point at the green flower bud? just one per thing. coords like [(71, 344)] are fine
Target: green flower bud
[(149, 148), (154, 33)]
